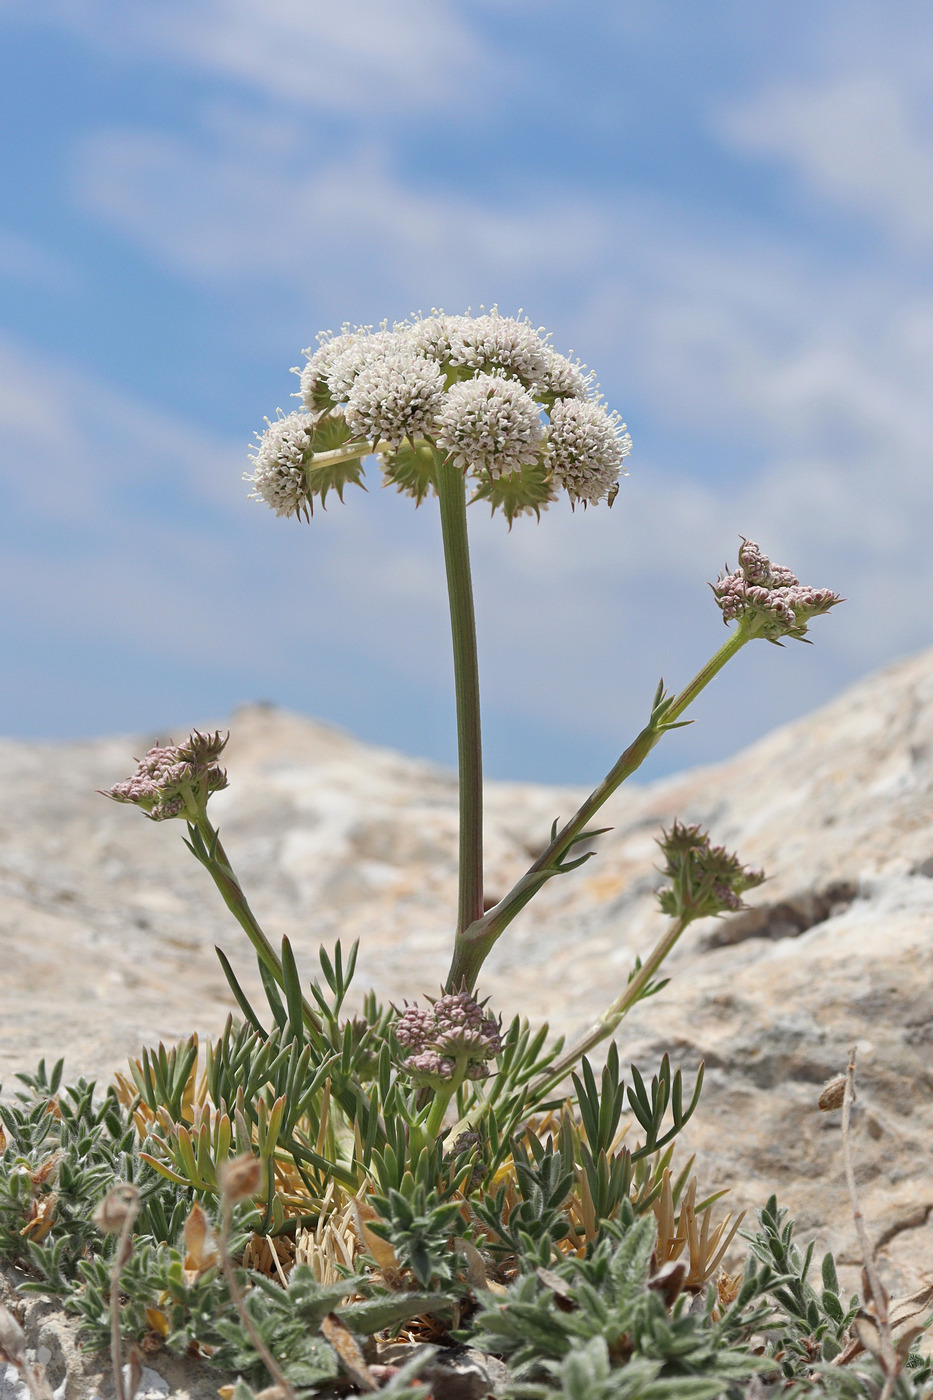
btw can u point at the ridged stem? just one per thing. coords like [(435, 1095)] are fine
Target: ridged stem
[(474, 943), (232, 894), (452, 497), (613, 1014)]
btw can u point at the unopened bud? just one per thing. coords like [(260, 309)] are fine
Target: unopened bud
[(240, 1178), (705, 880), (771, 594), (118, 1208), (175, 780), (832, 1094)]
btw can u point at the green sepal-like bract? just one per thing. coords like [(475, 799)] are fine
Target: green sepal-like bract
[(518, 493), (411, 470), (329, 435)]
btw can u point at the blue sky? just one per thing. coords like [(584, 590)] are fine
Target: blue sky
[(726, 210)]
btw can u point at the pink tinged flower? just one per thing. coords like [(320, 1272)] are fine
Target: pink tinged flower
[(415, 1027), (175, 780), (490, 424), (455, 1032), (704, 880), (587, 446), (430, 1064), (770, 595)]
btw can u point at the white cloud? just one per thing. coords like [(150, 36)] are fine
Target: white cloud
[(820, 376), (859, 140), (75, 450), (217, 215), (353, 55)]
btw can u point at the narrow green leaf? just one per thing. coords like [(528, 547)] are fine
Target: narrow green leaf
[(238, 992), (272, 995), (292, 987), (327, 968)]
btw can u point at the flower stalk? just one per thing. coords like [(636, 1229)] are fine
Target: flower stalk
[(115, 1216), (208, 848), (474, 943), (609, 1021), (452, 499)]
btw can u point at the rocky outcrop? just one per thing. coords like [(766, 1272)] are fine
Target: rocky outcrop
[(107, 925)]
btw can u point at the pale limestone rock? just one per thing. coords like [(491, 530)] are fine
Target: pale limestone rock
[(107, 925)]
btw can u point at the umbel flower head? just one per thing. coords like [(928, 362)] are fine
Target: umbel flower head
[(489, 393), (175, 780), (771, 597), (448, 1042), (704, 879)]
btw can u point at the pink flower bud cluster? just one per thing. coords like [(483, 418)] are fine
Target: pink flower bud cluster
[(175, 780), (454, 1038), (771, 593)]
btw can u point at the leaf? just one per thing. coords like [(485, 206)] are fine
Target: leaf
[(201, 1248), (475, 1269), (347, 1348), (904, 1309), (292, 987), (272, 995), (163, 1169), (334, 476), (376, 1314), (380, 1249), (238, 992), (866, 1329)]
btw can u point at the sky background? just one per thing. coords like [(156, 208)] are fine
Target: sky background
[(725, 210)]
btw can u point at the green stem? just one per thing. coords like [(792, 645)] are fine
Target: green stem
[(423, 1136), (435, 1119), (613, 1014), (452, 497), (348, 452), (475, 942), (232, 894), (747, 629)]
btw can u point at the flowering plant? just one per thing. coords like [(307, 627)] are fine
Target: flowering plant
[(466, 409), (424, 1147)]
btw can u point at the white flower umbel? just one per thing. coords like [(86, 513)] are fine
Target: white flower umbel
[(430, 335), (490, 424), (492, 341), (366, 349), (587, 448), (488, 392), (394, 396), (315, 392), (279, 464), (563, 378)]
